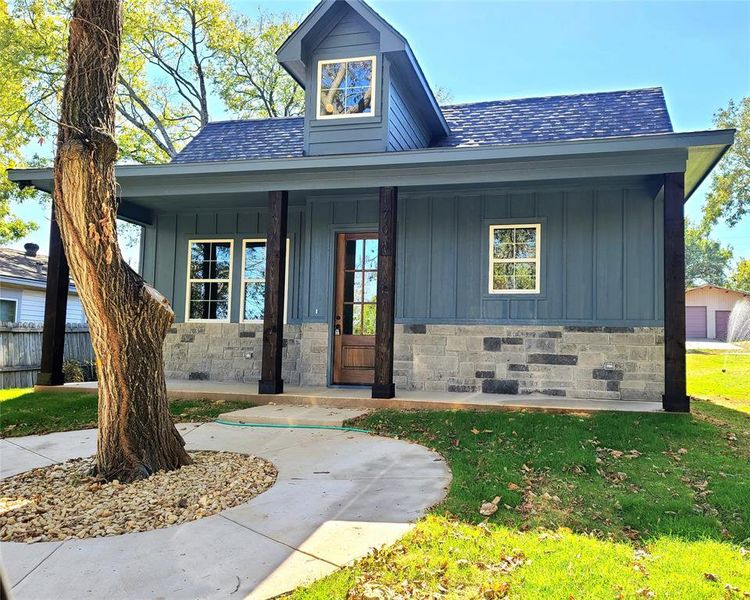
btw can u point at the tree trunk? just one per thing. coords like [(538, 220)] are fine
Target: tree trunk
[(128, 319)]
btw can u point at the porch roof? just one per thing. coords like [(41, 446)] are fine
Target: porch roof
[(144, 187)]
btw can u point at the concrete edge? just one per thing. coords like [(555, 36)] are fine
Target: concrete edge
[(553, 405)]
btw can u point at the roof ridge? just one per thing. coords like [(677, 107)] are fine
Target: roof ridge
[(576, 95), (22, 252), (258, 120)]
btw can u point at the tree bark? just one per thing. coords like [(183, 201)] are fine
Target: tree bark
[(128, 319)]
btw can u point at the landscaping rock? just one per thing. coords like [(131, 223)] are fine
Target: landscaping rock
[(64, 501)]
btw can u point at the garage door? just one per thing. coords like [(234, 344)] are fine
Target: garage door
[(722, 323), (695, 322)]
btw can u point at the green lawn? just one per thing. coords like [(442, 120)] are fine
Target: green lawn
[(600, 506), (25, 412), (721, 376)]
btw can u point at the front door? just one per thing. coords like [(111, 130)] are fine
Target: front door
[(354, 318)]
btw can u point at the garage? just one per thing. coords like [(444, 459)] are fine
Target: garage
[(695, 322), (722, 324)]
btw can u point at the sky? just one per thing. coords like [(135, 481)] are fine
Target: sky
[(697, 51)]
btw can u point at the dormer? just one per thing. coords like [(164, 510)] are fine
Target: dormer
[(364, 90)]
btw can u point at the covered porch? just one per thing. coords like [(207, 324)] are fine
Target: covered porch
[(667, 167)]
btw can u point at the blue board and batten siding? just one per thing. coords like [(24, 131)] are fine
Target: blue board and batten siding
[(600, 259), (599, 263), (351, 37), (406, 128), (165, 251)]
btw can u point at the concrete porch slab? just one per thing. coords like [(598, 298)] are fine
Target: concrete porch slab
[(360, 398), (273, 414)]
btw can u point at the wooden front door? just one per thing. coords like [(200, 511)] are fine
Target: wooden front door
[(354, 318)]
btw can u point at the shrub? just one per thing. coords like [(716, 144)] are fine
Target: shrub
[(72, 371)]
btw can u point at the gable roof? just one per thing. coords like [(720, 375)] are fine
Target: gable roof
[(19, 268), (708, 286), (293, 54), (496, 123)]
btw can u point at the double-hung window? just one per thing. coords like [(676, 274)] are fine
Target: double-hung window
[(254, 279), (8, 308), (514, 259), (209, 280)]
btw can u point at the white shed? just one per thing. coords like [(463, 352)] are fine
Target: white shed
[(707, 310)]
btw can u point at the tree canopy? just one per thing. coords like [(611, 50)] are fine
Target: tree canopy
[(183, 61), (741, 278), (706, 261), (729, 197)]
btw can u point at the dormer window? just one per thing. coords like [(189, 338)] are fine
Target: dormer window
[(346, 88)]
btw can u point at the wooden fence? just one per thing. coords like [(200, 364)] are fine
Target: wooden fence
[(21, 351)]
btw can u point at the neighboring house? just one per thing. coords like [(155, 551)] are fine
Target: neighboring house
[(23, 279), (507, 246), (707, 310)]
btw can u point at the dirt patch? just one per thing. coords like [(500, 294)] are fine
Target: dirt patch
[(64, 501)]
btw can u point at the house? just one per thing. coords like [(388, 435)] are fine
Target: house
[(707, 310), (508, 246), (23, 278)]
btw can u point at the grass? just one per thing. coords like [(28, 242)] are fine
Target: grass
[(720, 376), (25, 412), (580, 515)]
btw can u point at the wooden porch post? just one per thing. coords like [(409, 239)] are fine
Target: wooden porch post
[(675, 397), (273, 316), (383, 386), (55, 308)]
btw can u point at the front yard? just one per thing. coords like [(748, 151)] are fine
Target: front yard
[(603, 505), (591, 506)]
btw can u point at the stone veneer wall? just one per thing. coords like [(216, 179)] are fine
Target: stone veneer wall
[(233, 351), (559, 361)]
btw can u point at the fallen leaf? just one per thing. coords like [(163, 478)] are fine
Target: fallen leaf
[(489, 508), (513, 487), (710, 577), (474, 430)]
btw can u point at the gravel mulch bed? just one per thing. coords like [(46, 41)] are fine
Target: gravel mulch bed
[(63, 501)]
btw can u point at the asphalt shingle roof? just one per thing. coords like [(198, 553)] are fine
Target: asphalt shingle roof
[(495, 123), (16, 264)]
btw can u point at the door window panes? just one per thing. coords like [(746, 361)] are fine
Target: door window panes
[(360, 286)]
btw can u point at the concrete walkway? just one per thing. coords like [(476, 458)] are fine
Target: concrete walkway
[(710, 345), (338, 495)]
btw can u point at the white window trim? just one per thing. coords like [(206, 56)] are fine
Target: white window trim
[(244, 281), (536, 260), (372, 84), (189, 280), (15, 311)]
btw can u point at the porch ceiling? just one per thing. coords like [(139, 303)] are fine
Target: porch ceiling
[(146, 188)]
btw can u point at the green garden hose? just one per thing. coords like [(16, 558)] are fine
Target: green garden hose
[(282, 426)]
